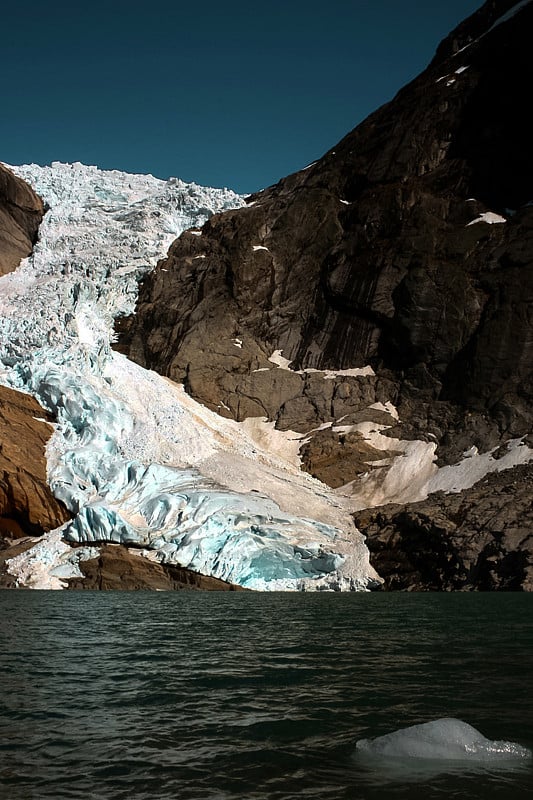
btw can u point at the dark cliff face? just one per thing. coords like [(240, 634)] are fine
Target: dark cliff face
[(409, 247), (21, 212), (371, 257), (480, 539)]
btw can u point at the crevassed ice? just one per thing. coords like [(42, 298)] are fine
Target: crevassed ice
[(127, 453)]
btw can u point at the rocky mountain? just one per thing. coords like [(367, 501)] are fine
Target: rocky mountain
[(138, 464), (358, 337), (378, 302)]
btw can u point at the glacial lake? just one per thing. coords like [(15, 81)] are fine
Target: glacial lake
[(243, 696)]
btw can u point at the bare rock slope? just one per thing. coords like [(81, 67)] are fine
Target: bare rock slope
[(479, 539), (407, 247)]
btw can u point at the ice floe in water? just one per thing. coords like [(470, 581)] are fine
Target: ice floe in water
[(135, 459), (441, 740)]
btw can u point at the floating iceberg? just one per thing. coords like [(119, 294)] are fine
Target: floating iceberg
[(444, 739)]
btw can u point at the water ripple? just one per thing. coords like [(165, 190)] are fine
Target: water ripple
[(252, 697)]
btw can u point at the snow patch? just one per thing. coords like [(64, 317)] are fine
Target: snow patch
[(489, 217), (49, 563), (475, 466), (355, 372), (510, 13), (387, 408), (329, 374), (279, 360), (408, 473), (285, 444)]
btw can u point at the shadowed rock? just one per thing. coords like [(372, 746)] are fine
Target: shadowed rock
[(119, 568), (478, 539), (408, 246), (373, 255)]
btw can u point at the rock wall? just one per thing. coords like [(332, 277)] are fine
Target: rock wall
[(27, 505), (479, 539), (408, 246), (21, 211)]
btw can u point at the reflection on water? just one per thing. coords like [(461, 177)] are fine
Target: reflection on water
[(380, 771), (251, 696)]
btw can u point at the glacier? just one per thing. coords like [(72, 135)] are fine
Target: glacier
[(133, 458)]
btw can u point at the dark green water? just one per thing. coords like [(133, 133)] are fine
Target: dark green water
[(254, 696)]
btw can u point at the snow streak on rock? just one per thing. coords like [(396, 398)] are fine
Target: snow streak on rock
[(134, 458)]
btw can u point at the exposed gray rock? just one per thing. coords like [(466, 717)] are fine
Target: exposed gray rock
[(481, 538)]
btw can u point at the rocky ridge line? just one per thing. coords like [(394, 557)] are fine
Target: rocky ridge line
[(407, 247)]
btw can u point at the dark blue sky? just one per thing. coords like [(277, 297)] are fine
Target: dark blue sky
[(225, 93)]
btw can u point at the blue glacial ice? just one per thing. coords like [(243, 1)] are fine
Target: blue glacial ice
[(132, 456), (446, 739)]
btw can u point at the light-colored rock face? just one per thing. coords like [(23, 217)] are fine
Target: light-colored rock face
[(134, 458), (21, 211)]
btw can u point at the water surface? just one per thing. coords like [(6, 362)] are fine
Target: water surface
[(242, 696)]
